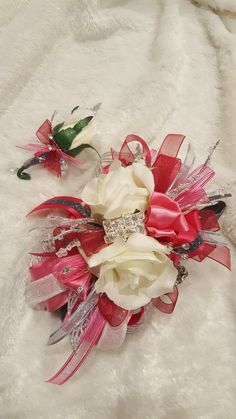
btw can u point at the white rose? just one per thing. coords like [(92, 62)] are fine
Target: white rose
[(121, 191), (133, 273)]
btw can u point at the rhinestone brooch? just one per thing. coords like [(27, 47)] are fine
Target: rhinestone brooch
[(123, 227)]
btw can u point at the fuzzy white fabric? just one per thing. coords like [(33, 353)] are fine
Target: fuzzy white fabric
[(157, 66)]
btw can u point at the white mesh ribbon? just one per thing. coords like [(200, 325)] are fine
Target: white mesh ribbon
[(43, 289)]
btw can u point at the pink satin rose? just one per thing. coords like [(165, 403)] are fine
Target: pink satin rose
[(166, 222)]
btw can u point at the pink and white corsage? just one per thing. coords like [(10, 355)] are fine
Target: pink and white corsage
[(123, 245)]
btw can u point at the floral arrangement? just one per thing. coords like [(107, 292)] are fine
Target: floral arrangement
[(59, 145), (122, 247)]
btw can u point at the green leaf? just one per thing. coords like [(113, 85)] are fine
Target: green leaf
[(58, 127), (64, 138), (74, 109), (82, 124), (75, 151)]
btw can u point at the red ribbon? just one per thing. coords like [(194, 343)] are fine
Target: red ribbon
[(167, 165), (135, 318), (169, 307), (126, 156), (44, 131), (114, 314)]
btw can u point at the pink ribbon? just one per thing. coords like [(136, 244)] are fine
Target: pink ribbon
[(71, 271), (165, 221), (194, 191), (86, 343)]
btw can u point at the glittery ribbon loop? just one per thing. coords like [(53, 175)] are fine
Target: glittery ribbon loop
[(68, 204)]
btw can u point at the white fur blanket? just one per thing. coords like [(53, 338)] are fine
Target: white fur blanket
[(157, 66)]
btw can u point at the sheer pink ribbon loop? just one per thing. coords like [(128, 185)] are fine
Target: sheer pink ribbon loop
[(164, 307), (220, 254), (167, 165), (72, 160), (44, 131), (43, 289), (171, 145), (34, 147), (113, 337), (86, 343), (127, 156)]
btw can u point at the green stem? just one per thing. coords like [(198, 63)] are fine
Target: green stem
[(23, 175)]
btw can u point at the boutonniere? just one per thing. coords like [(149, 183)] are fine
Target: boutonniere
[(59, 145)]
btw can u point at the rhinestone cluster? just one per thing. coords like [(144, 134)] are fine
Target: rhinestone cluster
[(63, 251), (182, 274), (73, 229), (123, 227)]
